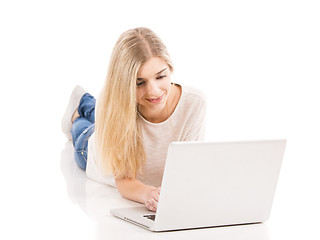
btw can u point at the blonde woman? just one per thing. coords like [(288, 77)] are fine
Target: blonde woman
[(123, 140)]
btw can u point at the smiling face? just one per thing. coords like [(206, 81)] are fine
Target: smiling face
[(153, 86)]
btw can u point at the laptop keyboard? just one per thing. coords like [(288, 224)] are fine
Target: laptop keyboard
[(151, 217)]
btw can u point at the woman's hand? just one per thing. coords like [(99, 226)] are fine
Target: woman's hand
[(152, 198), (135, 190)]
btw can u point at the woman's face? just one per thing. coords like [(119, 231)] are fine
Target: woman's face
[(153, 85)]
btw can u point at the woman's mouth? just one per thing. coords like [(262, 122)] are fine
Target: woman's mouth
[(155, 100)]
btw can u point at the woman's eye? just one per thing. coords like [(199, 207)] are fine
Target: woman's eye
[(140, 83), (160, 77)]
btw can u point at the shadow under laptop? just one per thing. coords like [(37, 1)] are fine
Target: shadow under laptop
[(96, 199)]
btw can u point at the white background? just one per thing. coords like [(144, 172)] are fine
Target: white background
[(256, 61)]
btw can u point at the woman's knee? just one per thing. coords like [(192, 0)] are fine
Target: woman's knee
[(78, 127), (81, 159)]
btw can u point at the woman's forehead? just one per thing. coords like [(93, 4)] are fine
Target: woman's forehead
[(152, 67)]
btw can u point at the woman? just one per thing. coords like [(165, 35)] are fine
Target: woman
[(138, 114)]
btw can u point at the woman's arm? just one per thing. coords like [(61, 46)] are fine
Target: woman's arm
[(196, 128), (135, 190)]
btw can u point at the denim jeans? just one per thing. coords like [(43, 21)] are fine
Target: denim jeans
[(82, 129)]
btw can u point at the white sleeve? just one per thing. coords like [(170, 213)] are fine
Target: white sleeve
[(93, 170), (196, 131)]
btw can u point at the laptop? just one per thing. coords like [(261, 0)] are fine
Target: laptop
[(209, 184)]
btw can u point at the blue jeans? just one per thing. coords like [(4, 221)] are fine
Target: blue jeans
[(82, 129)]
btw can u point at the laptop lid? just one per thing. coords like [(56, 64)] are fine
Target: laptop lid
[(213, 184)]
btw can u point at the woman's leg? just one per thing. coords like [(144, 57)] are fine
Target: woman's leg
[(82, 129), (86, 107)]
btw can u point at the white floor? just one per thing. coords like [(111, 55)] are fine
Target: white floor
[(257, 62), (57, 200), (54, 199), (95, 200)]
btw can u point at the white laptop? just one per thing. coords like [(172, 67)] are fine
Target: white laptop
[(208, 184)]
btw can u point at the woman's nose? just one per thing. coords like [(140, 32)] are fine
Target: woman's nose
[(153, 88)]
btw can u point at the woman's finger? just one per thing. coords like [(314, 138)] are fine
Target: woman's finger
[(153, 203), (156, 197), (150, 207)]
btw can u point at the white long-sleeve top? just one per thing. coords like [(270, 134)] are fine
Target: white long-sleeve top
[(186, 123)]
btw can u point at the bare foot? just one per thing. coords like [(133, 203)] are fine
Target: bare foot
[(75, 115)]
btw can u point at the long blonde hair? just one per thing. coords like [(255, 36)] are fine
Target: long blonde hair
[(118, 134)]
